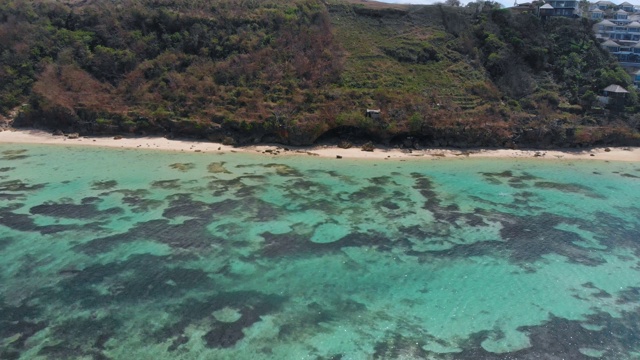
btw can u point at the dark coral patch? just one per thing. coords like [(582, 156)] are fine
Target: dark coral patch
[(137, 279), (398, 346), (295, 244), (426, 189), (12, 197), (104, 185), (325, 205), (572, 188), (560, 338), (14, 154), (136, 199), (630, 295), (370, 238), (91, 200), (513, 180), (5, 169), (5, 242), (18, 323), (217, 168), (183, 205), (331, 173), (224, 187), (528, 239), (177, 342), (263, 211), (367, 193), (184, 167), (224, 335), (315, 317), (382, 181), (277, 245), (191, 234), (388, 204), (73, 211), (305, 186), (251, 305), (504, 174), (612, 231), (128, 192), (18, 185), (80, 337), (250, 208), (139, 204), (449, 214), (284, 170), (525, 240), (166, 184), (630, 176), (24, 222), (248, 191)]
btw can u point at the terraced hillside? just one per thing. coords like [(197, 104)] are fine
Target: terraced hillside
[(244, 71)]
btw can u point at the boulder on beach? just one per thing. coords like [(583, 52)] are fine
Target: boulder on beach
[(368, 146)]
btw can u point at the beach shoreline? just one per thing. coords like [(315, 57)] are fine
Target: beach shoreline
[(32, 136)]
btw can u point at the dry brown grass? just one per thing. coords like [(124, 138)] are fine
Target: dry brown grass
[(378, 5)]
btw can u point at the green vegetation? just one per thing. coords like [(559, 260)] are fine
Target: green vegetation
[(292, 71)]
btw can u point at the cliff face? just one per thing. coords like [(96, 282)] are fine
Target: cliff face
[(296, 71)]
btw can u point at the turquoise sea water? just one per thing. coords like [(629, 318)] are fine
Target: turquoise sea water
[(132, 254)]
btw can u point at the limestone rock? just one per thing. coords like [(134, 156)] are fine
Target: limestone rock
[(344, 144), (368, 146)]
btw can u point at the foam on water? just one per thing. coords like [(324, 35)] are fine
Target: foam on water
[(138, 254)]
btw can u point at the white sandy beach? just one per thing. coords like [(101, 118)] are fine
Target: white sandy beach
[(160, 143)]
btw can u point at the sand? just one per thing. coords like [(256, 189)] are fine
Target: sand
[(160, 143)]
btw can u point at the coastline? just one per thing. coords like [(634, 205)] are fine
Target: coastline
[(631, 154)]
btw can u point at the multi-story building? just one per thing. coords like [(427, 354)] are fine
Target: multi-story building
[(568, 8), (619, 31), (627, 7), (596, 14)]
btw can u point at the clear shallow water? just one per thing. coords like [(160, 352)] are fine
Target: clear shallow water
[(134, 254)]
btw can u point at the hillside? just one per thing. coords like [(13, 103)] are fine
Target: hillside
[(297, 72)]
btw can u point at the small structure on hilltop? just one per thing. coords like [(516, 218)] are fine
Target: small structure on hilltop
[(566, 8), (374, 114), (524, 8), (614, 97), (546, 10)]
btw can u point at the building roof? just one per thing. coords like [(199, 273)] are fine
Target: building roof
[(610, 43), (606, 23), (626, 4), (633, 24), (616, 89), (637, 72), (604, 2), (523, 6), (621, 12), (637, 46), (596, 10), (546, 6)]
